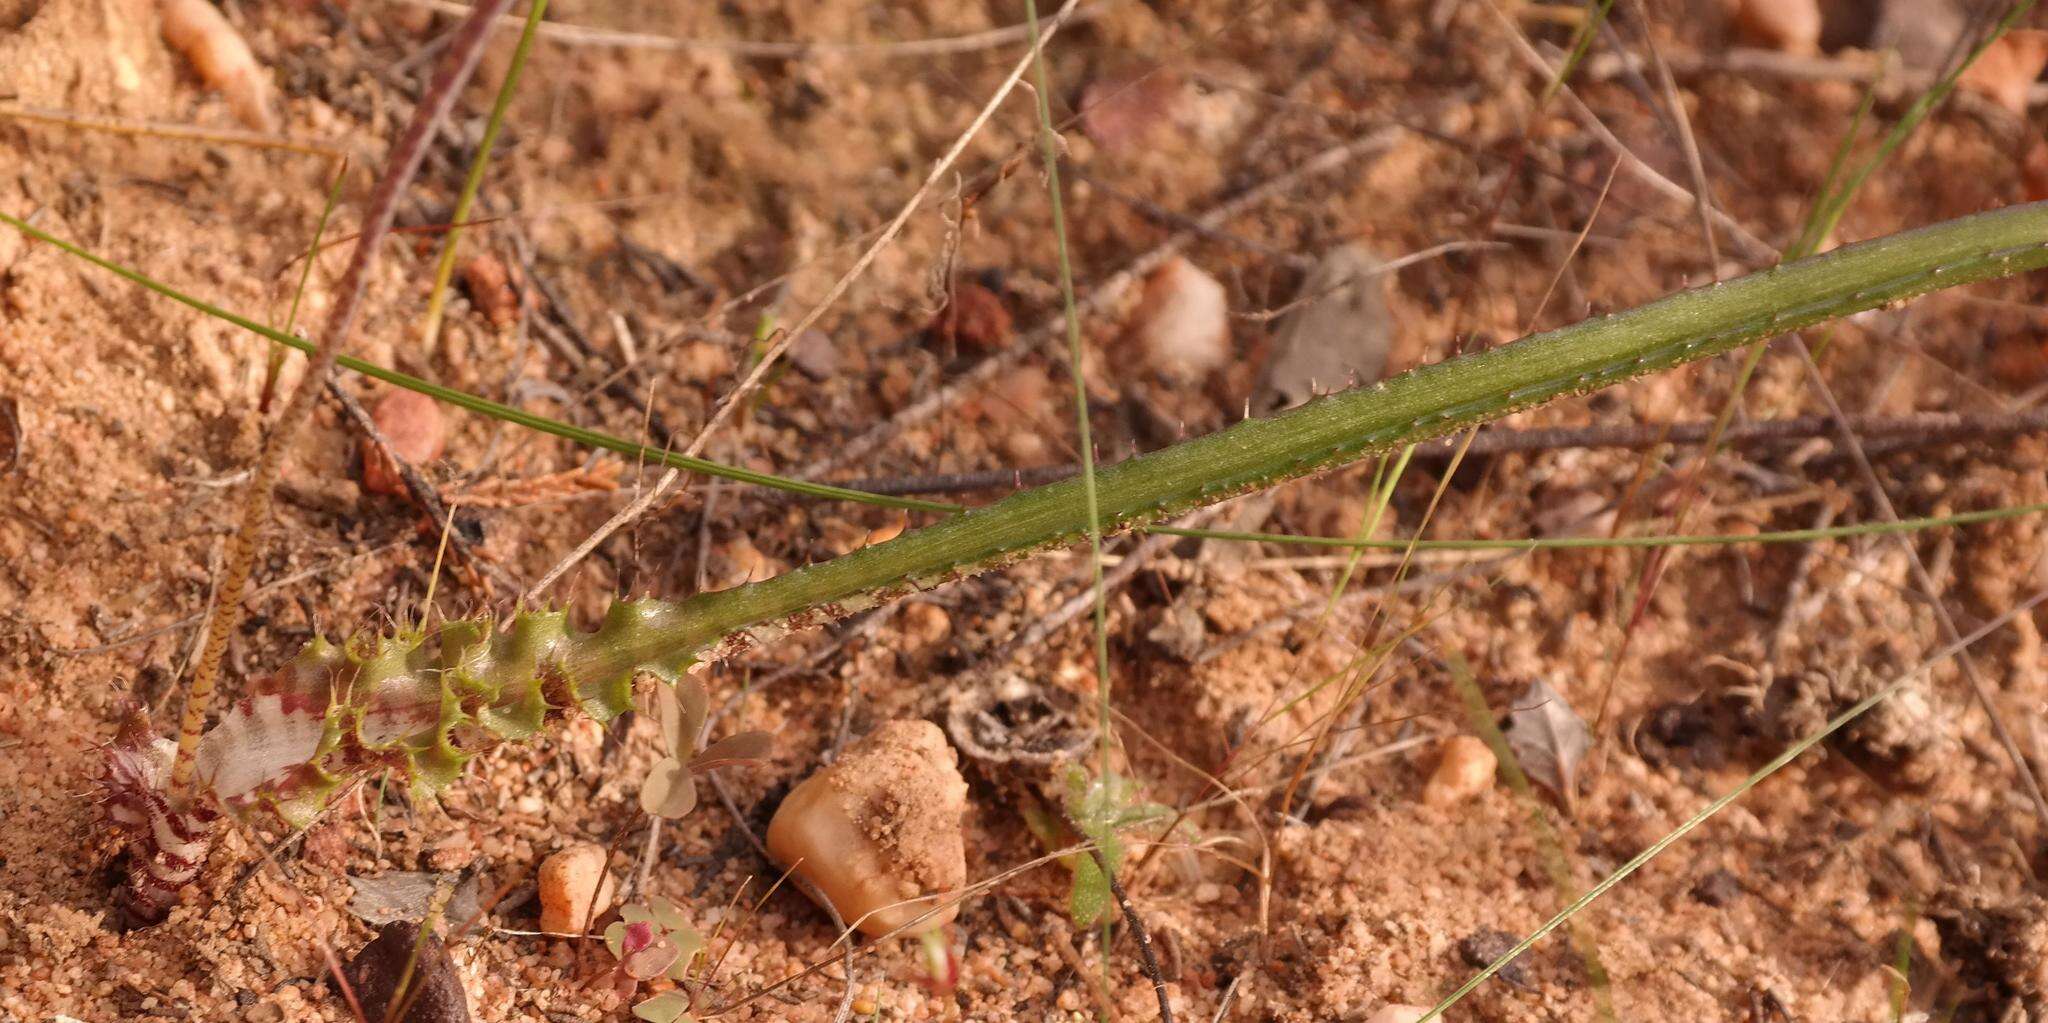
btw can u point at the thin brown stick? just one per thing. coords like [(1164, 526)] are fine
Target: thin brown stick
[(168, 130), (1912, 430), (908, 49), (1687, 142), (1752, 247), (406, 157), (1893, 81)]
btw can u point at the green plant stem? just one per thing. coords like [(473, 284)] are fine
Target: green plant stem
[(275, 363), (1423, 403), (1828, 212), (485, 406), (445, 269)]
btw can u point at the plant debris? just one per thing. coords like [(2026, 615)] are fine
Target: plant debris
[(1548, 739), (406, 895), (1337, 331)]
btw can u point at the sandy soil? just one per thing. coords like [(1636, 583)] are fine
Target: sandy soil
[(652, 190)]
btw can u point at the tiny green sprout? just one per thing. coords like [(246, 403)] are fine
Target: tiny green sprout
[(650, 942), (1101, 809), (670, 789)]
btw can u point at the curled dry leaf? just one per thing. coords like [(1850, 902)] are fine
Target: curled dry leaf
[(411, 423), (1182, 323), (1790, 26), (1337, 331), (2008, 68), (1013, 722), (1548, 739), (197, 29), (407, 895), (814, 355)]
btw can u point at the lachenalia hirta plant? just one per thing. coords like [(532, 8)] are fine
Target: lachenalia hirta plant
[(420, 704)]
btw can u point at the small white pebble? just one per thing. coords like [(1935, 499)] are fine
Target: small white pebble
[(574, 889), (1183, 322), (1465, 770)]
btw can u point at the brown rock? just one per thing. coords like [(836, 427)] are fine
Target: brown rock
[(411, 423), (975, 318), (434, 990), (490, 289), (879, 826), (1790, 26), (1465, 770)]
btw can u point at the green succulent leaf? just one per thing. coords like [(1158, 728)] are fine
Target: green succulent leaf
[(672, 1007), (670, 790)]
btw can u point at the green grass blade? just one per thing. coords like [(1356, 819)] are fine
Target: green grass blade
[(445, 269), (1050, 152), (1829, 211), (1556, 864), (275, 363), (487, 407), (1582, 41)]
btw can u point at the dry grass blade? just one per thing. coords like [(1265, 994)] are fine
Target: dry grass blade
[(405, 160)]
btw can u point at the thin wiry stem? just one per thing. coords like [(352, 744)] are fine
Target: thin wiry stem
[(464, 50), (1049, 146), (485, 406), (444, 270), (761, 49)]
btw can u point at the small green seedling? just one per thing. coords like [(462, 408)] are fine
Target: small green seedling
[(1102, 810), (670, 790), (651, 942)]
